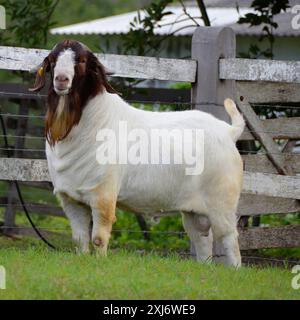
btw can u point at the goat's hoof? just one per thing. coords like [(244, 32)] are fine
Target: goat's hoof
[(98, 242)]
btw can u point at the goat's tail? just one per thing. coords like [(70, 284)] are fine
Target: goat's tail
[(238, 123)]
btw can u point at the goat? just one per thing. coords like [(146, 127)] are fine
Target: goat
[(80, 103)]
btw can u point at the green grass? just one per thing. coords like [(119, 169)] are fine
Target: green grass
[(34, 272)]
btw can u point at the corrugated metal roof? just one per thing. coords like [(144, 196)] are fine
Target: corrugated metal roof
[(284, 21), (120, 24), (230, 3), (222, 3)]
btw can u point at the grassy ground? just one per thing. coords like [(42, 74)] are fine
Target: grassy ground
[(34, 272)]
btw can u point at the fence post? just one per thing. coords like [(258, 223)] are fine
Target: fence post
[(209, 44)]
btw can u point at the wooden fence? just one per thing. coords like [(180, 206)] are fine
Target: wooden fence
[(271, 184)]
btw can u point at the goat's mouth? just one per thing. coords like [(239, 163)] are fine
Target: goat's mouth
[(61, 91)]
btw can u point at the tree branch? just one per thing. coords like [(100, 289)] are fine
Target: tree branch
[(205, 17), (187, 14), (177, 21)]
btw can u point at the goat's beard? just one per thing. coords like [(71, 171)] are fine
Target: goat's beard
[(64, 112), (62, 92)]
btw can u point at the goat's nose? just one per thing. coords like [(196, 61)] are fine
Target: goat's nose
[(61, 78)]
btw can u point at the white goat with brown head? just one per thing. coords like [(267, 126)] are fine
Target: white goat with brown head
[(82, 106)]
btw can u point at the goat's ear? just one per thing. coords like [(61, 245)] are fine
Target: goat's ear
[(41, 75), (102, 72)]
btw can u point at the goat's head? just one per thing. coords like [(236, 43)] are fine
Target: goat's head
[(76, 76), (71, 64)]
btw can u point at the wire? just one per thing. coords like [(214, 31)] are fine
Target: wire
[(14, 115), (114, 230), (22, 149), (266, 153), (23, 94), (41, 228), (25, 137), (166, 102), (270, 259), (209, 104), (43, 96), (32, 205), (25, 192), (20, 194), (251, 131), (240, 150)]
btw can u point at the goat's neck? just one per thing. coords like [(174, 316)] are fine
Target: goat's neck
[(104, 111)]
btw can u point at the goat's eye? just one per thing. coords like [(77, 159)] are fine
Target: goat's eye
[(82, 60)]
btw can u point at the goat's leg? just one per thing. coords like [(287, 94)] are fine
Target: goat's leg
[(80, 218), (221, 201), (198, 228), (225, 239), (103, 213)]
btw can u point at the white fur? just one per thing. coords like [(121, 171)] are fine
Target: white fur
[(238, 123), (147, 188), (65, 65), (60, 106)]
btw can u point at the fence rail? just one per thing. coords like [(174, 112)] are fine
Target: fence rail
[(23, 59), (269, 92), (254, 182), (260, 70)]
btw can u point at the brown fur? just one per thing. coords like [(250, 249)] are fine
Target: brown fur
[(106, 204), (105, 196), (89, 80)]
